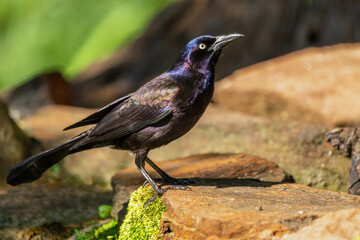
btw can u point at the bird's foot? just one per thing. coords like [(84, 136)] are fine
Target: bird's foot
[(160, 192)]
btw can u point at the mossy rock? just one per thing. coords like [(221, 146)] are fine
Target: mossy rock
[(142, 222), (139, 223)]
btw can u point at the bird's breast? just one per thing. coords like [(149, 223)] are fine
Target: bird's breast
[(194, 107)]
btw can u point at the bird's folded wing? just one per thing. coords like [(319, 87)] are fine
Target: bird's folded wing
[(126, 120), (98, 115)]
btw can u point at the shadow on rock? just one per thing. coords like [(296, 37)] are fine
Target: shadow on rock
[(228, 182)]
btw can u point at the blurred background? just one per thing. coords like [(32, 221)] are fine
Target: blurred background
[(114, 46), (39, 36), (293, 77)]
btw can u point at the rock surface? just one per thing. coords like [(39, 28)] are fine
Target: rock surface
[(339, 225), (237, 196), (248, 209), (303, 24), (318, 85), (50, 211), (201, 167)]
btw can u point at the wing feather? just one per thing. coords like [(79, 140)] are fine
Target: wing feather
[(125, 121), (149, 105), (98, 115)]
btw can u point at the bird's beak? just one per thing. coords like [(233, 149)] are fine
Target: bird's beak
[(224, 40)]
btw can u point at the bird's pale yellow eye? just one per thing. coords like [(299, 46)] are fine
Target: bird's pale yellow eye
[(202, 46)]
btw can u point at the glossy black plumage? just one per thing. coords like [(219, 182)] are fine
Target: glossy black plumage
[(159, 112)]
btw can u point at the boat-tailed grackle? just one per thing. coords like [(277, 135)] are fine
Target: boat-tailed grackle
[(159, 112)]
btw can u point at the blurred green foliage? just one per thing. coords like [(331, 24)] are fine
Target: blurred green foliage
[(106, 231), (104, 211), (65, 35)]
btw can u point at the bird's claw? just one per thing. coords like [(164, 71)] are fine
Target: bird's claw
[(150, 200), (160, 192), (146, 182)]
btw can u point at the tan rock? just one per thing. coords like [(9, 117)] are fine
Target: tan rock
[(205, 168), (318, 85), (40, 211), (339, 225), (48, 122), (247, 209)]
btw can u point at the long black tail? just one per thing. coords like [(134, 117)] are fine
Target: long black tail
[(33, 167)]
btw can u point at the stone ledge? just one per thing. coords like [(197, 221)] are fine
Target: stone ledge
[(206, 168), (247, 209)]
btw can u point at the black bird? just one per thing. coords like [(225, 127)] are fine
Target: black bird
[(159, 112)]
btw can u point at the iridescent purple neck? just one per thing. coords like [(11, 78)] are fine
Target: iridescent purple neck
[(185, 66), (198, 80)]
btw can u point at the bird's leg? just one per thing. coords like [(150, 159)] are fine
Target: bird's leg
[(166, 177), (140, 163), (157, 169)]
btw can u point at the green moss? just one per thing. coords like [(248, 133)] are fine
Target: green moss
[(106, 231), (104, 211), (139, 222)]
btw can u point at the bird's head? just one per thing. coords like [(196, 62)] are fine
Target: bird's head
[(202, 53)]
